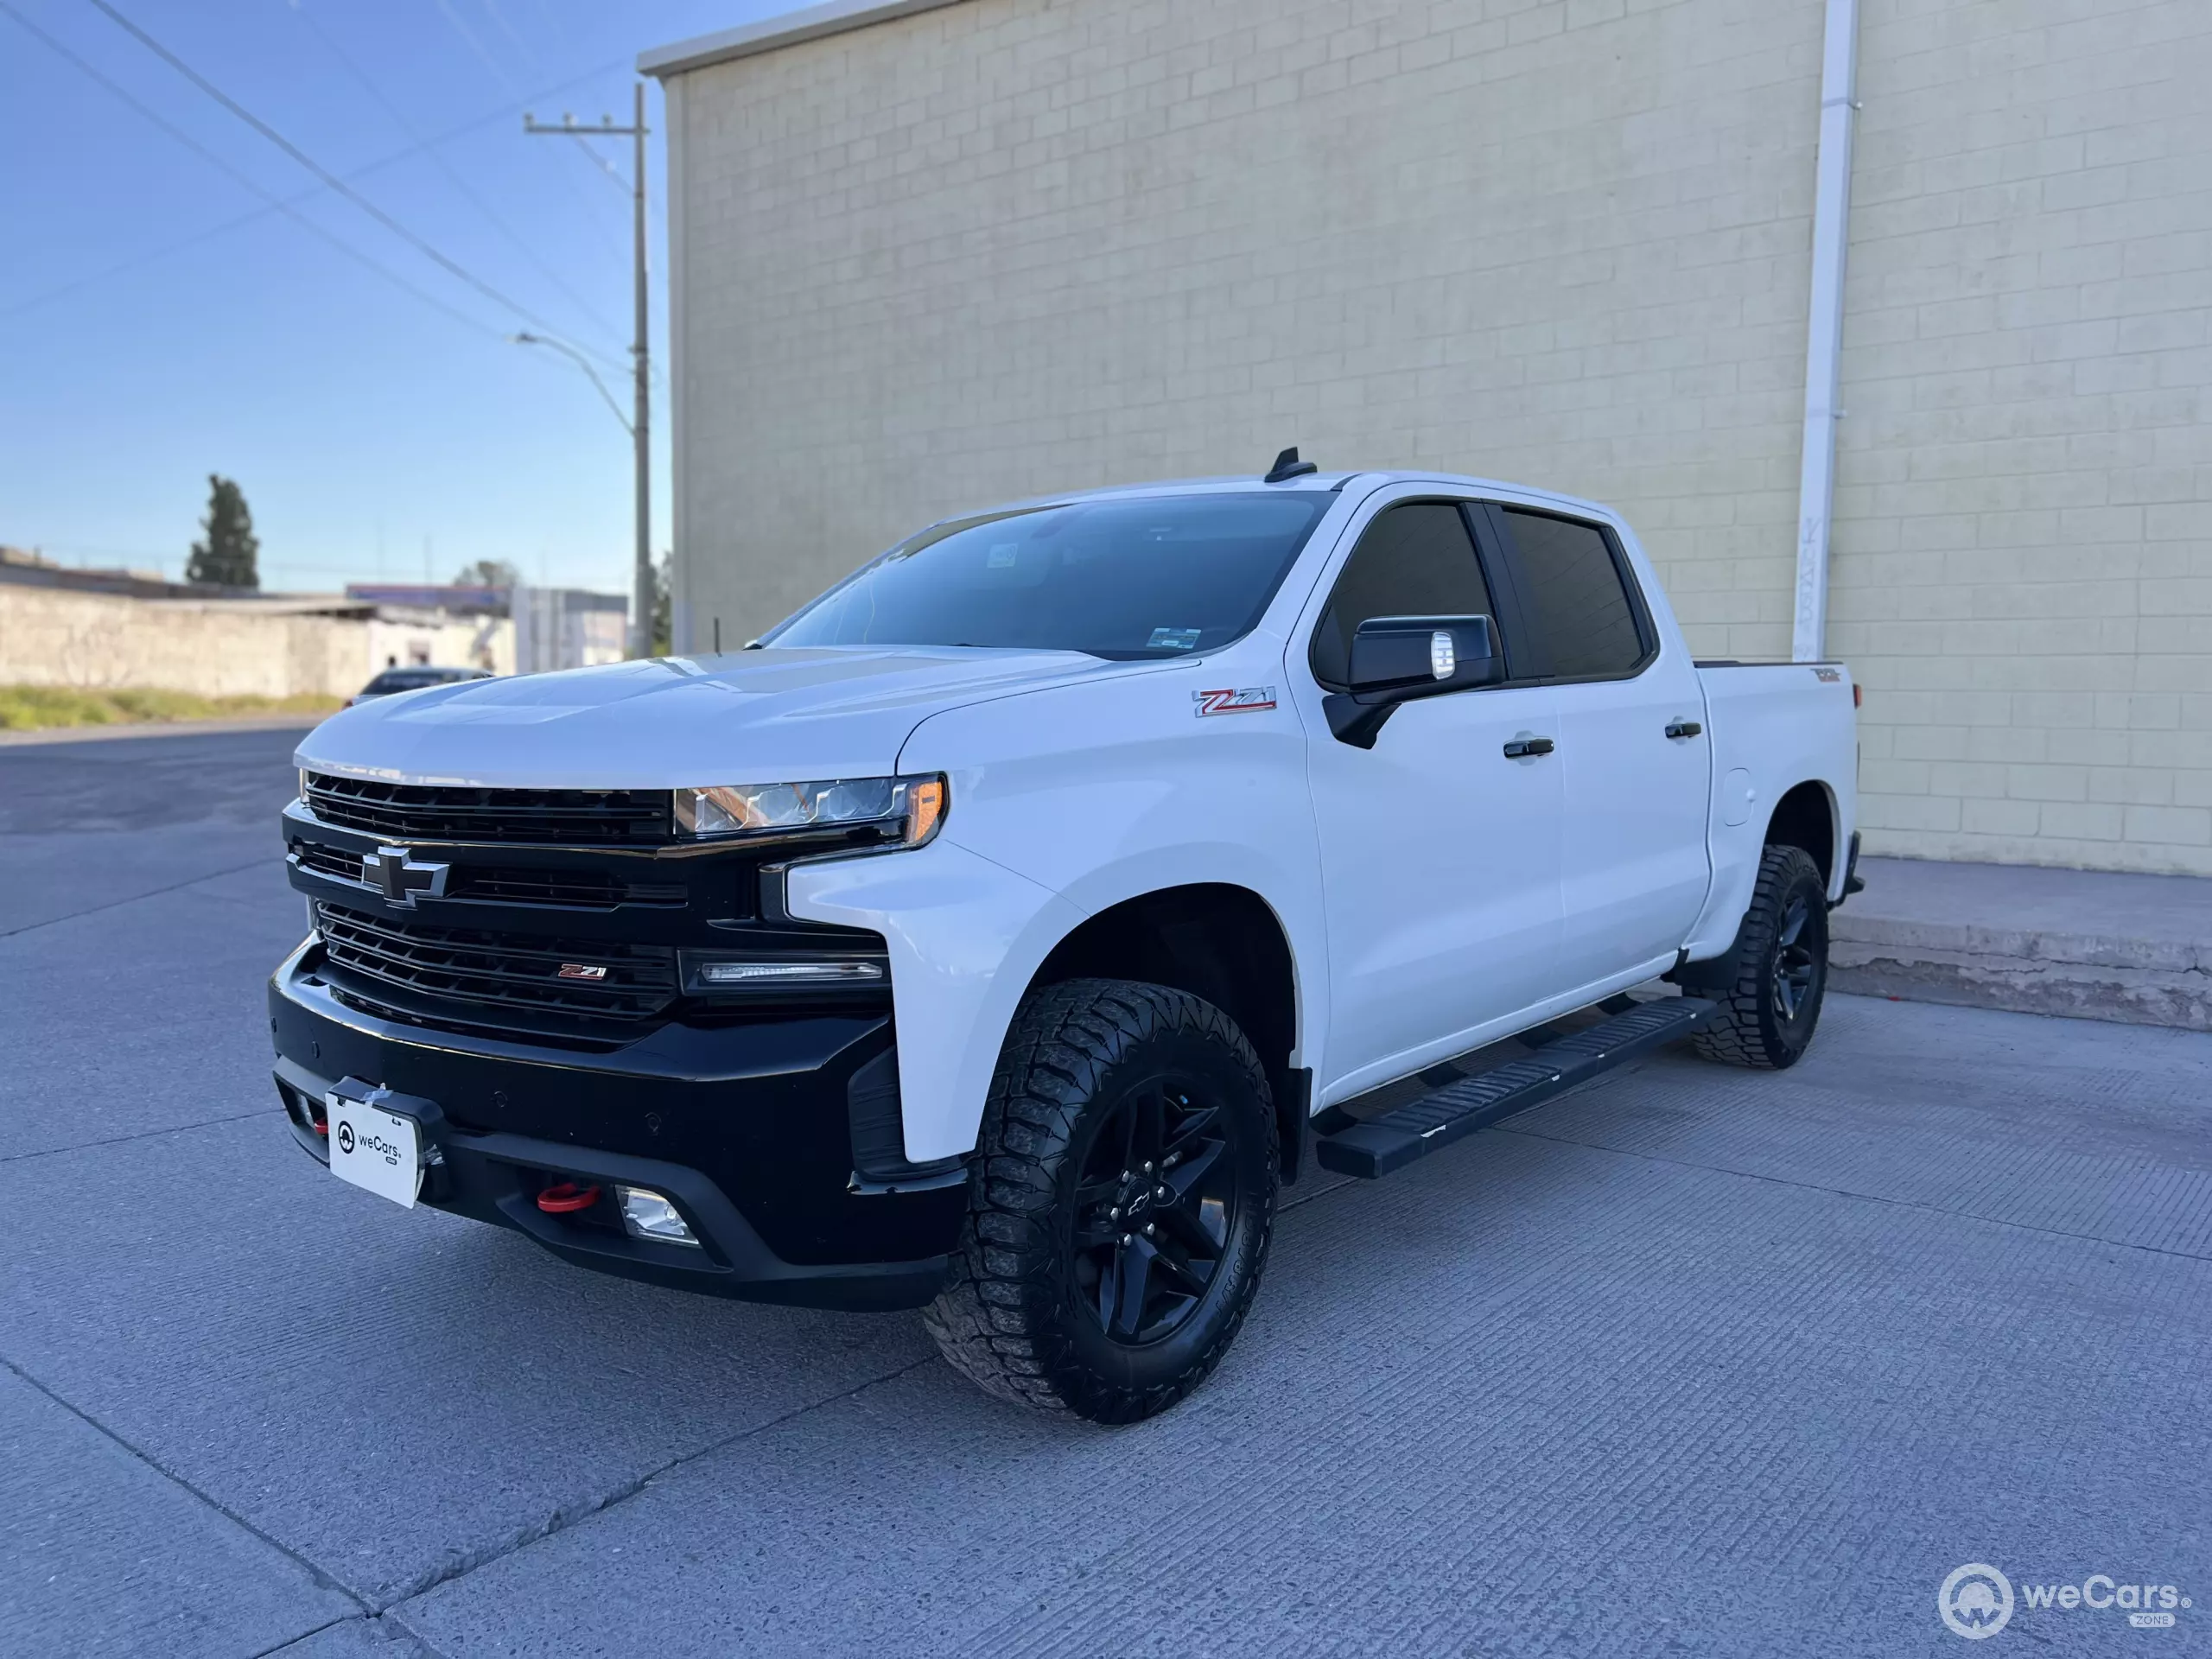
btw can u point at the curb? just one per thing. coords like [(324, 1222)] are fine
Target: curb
[(2129, 981)]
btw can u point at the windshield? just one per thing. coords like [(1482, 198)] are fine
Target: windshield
[(1138, 576)]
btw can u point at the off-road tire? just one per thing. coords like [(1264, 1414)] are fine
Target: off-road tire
[(1014, 1317), (1756, 1027)]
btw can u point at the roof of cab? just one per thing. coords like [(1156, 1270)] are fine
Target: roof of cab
[(1354, 483)]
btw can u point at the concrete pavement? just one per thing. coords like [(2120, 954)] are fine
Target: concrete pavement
[(1695, 1361)]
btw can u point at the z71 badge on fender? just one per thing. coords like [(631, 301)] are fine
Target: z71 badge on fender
[(1254, 699)]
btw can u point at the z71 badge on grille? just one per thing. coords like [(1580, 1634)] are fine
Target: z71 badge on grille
[(581, 970), (1253, 700)]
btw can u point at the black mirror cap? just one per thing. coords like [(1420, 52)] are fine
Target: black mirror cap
[(1401, 653), (1394, 660)]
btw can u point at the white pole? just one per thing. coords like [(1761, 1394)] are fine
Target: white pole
[(641, 618), (1824, 326)]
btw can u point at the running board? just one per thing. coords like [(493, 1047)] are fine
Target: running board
[(1377, 1146)]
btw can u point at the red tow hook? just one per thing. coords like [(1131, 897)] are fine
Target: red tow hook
[(567, 1199)]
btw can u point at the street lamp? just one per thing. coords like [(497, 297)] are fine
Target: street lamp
[(583, 363)]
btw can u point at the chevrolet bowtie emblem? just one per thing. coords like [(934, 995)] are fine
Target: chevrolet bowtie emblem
[(393, 872)]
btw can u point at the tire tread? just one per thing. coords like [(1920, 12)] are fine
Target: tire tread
[(1735, 1036), (993, 1319)]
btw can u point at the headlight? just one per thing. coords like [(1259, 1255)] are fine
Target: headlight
[(907, 810)]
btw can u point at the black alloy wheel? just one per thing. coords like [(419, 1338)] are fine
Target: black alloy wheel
[(1796, 967), (1121, 1203), (1154, 1207)]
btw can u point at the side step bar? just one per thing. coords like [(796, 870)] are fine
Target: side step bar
[(1377, 1146)]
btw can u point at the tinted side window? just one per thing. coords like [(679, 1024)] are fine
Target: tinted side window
[(1576, 603), (1415, 560)]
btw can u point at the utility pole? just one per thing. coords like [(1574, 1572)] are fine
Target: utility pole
[(642, 600)]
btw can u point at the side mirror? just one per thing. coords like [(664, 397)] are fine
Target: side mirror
[(1396, 659)]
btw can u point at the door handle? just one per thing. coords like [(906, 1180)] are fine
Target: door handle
[(1526, 748), (1683, 728)]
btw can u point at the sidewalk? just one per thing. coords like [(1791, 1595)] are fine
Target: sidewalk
[(2085, 944)]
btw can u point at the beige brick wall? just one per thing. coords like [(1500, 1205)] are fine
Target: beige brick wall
[(1012, 246), (1017, 245), (2023, 506)]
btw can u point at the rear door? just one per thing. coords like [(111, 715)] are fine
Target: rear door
[(1633, 862), (1439, 854)]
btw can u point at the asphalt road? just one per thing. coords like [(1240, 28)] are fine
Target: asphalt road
[(1694, 1361)]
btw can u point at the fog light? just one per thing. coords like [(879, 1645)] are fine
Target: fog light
[(789, 973), (646, 1214)]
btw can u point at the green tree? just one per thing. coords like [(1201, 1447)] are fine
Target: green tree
[(228, 558), (664, 608), (488, 573)]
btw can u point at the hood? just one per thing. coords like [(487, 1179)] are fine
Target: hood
[(753, 716)]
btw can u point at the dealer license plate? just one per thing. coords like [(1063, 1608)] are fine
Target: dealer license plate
[(375, 1149)]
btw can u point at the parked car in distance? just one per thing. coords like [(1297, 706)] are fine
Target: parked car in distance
[(414, 677), (1002, 931)]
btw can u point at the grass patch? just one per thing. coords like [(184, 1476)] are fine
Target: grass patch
[(40, 707)]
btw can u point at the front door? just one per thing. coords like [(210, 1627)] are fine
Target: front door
[(1634, 760), (1439, 854)]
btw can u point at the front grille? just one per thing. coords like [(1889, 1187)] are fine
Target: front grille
[(626, 817), (569, 889), (518, 885), (334, 861), (508, 970)]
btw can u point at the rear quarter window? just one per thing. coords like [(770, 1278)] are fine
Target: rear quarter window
[(1575, 592)]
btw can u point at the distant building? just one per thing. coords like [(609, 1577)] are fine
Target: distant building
[(30, 568), (418, 625), (566, 627), (64, 626), (456, 599), (552, 627)]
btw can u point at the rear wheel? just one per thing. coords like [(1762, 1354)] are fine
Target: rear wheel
[(1780, 966), (1121, 1204)]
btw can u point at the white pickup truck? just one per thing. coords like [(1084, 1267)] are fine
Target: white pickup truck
[(996, 934)]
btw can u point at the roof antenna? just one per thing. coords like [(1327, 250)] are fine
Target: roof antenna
[(1288, 466)]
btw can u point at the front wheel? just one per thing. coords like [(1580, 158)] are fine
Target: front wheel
[(1121, 1204), (1769, 1009)]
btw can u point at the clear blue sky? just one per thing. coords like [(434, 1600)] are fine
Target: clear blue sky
[(159, 321)]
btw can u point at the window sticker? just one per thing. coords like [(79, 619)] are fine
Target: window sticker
[(1173, 639), (1001, 556)]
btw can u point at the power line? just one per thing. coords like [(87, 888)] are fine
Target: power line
[(328, 178), (491, 63), (274, 201), (503, 113), (452, 173)]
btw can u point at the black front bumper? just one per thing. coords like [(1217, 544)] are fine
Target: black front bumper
[(748, 1128)]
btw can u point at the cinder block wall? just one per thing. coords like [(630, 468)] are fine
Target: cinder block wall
[(2024, 509), (1012, 247)]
